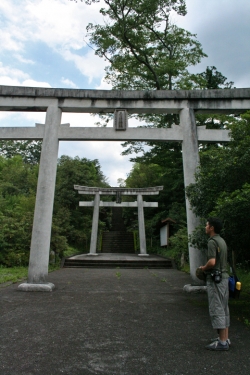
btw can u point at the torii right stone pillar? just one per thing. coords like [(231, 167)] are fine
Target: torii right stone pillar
[(142, 236), (94, 232), (190, 156)]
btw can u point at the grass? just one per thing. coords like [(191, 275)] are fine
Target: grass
[(12, 274), (240, 308), (15, 274), (118, 275), (71, 251)]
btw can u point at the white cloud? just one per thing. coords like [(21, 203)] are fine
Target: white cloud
[(14, 74), (103, 85), (113, 164), (68, 83), (78, 119), (33, 83), (60, 24), (16, 77), (24, 119), (88, 64), (8, 42), (23, 60), (223, 29), (8, 81)]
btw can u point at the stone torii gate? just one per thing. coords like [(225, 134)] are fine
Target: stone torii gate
[(97, 192), (53, 102)]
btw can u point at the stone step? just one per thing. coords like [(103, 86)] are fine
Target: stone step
[(95, 263), (117, 242)]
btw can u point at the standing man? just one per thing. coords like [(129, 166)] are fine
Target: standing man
[(217, 287)]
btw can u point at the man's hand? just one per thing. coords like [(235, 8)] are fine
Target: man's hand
[(210, 264)]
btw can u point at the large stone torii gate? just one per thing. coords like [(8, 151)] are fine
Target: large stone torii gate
[(55, 101)]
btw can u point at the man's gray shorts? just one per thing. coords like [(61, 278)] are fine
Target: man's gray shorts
[(218, 295)]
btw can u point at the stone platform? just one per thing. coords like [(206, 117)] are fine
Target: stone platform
[(113, 260)]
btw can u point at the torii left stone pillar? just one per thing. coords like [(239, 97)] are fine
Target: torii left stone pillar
[(41, 234)]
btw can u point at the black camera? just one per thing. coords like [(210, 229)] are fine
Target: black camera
[(216, 276)]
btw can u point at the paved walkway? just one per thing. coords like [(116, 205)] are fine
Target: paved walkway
[(114, 322)]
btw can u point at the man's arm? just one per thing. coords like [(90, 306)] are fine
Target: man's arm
[(210, 264)]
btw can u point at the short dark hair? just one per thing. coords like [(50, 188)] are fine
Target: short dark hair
[(216, 223)]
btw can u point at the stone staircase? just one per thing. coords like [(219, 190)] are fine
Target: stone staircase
[(117, 242)]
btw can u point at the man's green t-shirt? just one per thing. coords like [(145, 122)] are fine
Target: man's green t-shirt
[(221, 257)]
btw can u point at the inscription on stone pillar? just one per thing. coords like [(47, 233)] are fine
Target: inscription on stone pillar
[(120, 119)]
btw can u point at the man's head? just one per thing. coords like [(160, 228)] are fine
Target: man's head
[(213, 226)]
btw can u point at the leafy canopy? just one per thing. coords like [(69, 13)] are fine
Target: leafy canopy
[(144, 49), (222, 187)]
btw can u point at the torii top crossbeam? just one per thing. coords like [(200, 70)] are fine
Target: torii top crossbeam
[(114, 190), (32, 99)]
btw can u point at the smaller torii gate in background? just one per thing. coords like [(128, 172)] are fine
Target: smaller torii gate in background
[(139, 192)]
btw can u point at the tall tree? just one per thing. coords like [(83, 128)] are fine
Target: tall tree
[(210, 79), (69, 219), (222, 187), (144, 49), (71, 225), (17, 198), (30, 151)]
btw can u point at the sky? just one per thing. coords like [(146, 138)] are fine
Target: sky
[(43, 44)]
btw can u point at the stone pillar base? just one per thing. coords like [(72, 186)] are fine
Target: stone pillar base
[(143, 255), (195, 288), (28, 287), (94, 254)]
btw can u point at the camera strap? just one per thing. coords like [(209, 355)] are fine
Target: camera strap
[(217, 251)]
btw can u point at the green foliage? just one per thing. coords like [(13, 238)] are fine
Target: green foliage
[(171, 201), (146, 52), (144, 175), (139, 40), (70, 251), (71, 225), (30, 151), (17, 197), (234, 209), (222, 186), (198, 239), (210, 79), (178, 249), (240, 308)]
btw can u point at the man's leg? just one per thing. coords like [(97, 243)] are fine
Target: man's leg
[(219, 313), (223, 334)]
